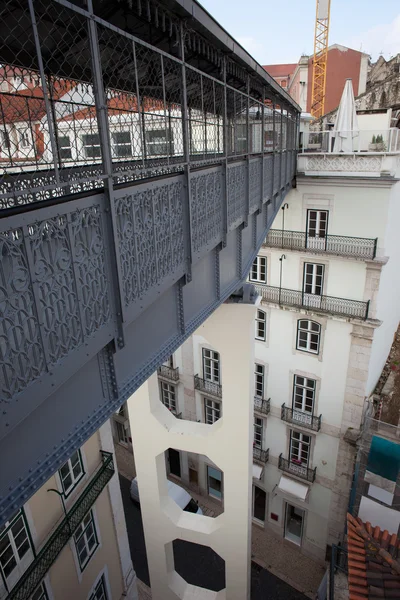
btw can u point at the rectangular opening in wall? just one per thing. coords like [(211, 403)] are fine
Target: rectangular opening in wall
[(259, 504), (214, 483), (294, 521), (193, 476)]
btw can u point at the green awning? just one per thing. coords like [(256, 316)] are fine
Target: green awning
[(384, 458)]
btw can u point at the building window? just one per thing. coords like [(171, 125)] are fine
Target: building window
[(259, 377), (313, 278), (303, 394), (99, 592), (121, 411), (308, 336), (40, 593), (64, 147), (91, 145), (259, 503), (168, 397), (122, 145), (258, 270), (71, 472), (258, 432), (261, 323), (299, 448), (159, 142), (23, 138), (4, 141), (211, 370), (241, 138), (121, 433), (212, 411), (317, 223), (214, 482), (86, 539), (15, 549)]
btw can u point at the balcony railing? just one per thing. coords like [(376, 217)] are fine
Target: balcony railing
[(62, 534), (208, 387), (382, 140), (168, 372), (297, 469), (340, 245), (260, 455), (327, 304), (298, 417), (262, 406)]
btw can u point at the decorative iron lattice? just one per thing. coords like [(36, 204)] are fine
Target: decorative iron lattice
[(260, 455), (206, 208), (255, 183), (298, 417), (55, 292), (208, 387), (268, 176), (299, 470), (339, 245), (58, 82), (236, 193), (150, 236), (65, 530), (329, 304)]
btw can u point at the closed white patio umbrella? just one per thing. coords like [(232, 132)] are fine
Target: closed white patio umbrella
[(346, 126)]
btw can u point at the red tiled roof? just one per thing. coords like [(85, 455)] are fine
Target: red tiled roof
[(28, 105), (282, 70), (373, 561)]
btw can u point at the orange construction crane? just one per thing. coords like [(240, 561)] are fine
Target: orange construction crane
[(320, 58)]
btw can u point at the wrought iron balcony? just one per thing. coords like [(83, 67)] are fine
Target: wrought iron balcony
[(170, 373), (326, 304), (339, 245), (298, 417), (297, 469), (65, 530), (261, 405), (260, 455), (208, 387)]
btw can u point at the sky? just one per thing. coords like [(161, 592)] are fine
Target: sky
[(274, 31)]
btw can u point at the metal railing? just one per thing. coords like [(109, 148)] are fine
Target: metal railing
[(364, 140), (339, 562), (299, 417), (260, 455), (170, 373), (65, 530), (66, 129), (356, 309), (208, 387), (261, 405), (297, 469), (339, 245)]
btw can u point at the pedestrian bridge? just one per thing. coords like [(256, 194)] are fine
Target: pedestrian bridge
[(143, 157)]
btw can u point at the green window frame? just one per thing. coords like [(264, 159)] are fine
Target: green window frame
[(100, 591), (86, 540), (40, 593)]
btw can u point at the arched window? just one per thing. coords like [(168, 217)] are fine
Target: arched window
[(261, 325), (308, 336)]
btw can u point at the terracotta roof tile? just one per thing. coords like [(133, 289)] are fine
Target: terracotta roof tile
[(373, 561)]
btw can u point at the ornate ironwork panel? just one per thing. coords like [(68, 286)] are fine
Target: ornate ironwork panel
[(255, 183), (268, 176), (206, 208), (150, 236), (169, 372), (260, 455), (209, 387), (299, 417), (277, 160), (262, 406), (297, 469), (236, 193)]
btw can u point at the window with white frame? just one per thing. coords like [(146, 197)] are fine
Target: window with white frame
[(65, 147), (212, 411), (121, 143), (16, 551), (304, 394), (71, 472), (85, 538), (211, 370), (91, 145), (4, 141), (259, 380), (168, 396), (99, 592), (299, 452), (23, 138), (122, 433), (308, 336), (258, 271), (159, 142), (40, 593), (261, 325), (258, 432)]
